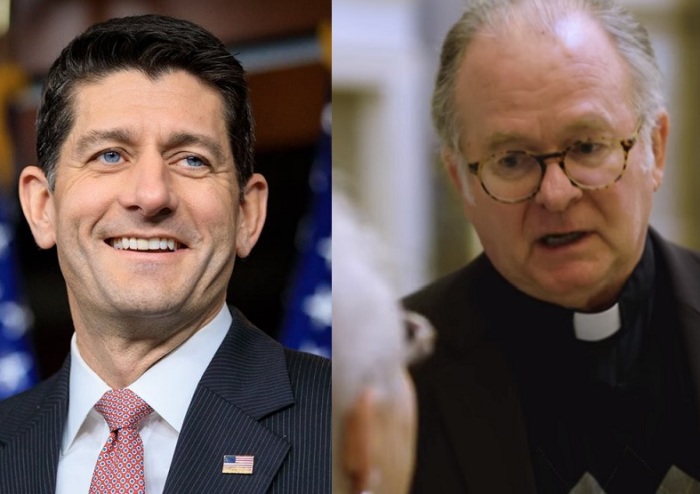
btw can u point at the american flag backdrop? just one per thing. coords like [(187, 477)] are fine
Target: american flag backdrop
[(17, 367), (307, 325)]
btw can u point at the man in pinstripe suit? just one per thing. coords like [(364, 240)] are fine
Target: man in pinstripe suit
[(146, 188)]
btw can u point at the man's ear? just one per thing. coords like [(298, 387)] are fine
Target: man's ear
[(38, 206), (252, 211), (451, 162), (659, 139), (360, 427), (459, 176)]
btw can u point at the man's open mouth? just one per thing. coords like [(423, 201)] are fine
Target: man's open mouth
[(160, 244), (557, 240)]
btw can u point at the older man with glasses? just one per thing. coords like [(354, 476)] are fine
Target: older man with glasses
[(567, 353)]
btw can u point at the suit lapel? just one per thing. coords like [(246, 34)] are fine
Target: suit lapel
[(484, 424), (475, 394), (689, 321), (30, 449), (246, 381), (685, 284)]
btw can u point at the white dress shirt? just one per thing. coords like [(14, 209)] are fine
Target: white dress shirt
[(167, 387)]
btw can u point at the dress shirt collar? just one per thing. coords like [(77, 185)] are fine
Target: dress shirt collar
[(168, 386), (596, 326), (634, 306)]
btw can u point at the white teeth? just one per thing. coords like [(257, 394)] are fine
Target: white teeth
[(145, 244)]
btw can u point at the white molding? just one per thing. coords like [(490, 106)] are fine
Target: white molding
[(377, 58)]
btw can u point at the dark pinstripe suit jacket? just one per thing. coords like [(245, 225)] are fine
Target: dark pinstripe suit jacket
[(255, 398)]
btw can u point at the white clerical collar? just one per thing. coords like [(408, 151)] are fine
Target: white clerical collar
[(167, 387), (597, 326)]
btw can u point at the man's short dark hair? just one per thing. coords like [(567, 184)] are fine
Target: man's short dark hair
[(154, 45)]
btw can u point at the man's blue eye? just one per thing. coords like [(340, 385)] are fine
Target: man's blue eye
[(111, 157), (194, 161)]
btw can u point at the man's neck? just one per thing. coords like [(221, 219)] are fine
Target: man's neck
[(121, 353)]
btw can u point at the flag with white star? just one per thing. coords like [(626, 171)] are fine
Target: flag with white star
[(17, 367), (307, 324)]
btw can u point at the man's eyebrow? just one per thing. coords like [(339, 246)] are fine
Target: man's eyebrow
[(187, 139), (94, 137), (591, 124), (98, 136), (502, 139)]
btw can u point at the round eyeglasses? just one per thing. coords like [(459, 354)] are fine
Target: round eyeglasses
[(516, 176)]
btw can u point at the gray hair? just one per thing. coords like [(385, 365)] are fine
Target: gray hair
[(628, 35)]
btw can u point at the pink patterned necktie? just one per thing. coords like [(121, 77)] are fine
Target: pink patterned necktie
[(119, 467)]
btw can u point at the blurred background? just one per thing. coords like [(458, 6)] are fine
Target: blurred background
[(284, 286), (385, 56)]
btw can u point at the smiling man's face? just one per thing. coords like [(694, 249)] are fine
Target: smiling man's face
[(145, 213)]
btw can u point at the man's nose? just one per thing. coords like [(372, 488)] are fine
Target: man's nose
[(149, 187), (557, 191)]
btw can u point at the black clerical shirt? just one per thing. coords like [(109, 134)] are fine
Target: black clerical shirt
[(620, 410)]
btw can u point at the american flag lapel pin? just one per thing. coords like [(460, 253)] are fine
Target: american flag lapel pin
[(238, 464)]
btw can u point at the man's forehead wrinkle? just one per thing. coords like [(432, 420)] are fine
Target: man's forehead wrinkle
[(586, 124), (528, 86), (503, 138), (479, 72)]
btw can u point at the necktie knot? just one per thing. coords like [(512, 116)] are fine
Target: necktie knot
[(122, 409)]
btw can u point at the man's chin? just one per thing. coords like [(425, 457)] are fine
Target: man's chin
[(144, 308), (586, 295)]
